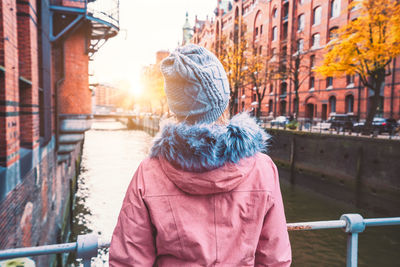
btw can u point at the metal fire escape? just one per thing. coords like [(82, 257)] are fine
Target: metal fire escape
[(100, 17)]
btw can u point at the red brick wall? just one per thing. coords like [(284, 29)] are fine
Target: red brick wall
[(28, 69), (9, 122), (74, 93)]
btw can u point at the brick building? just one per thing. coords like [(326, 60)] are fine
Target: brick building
[(45, 107), (283, 27)]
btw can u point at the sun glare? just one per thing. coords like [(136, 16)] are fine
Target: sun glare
[(136, 87)]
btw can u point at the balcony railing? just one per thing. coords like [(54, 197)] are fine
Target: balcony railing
[(87, 246), (103, 15), (105, 11)]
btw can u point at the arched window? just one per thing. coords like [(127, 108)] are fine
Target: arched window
[(271, 88), (300, 23), (315, 40), (317, 15), (257, 25), (335, 8), (275, 12), (285, 11), (349, 103), (332, 104)]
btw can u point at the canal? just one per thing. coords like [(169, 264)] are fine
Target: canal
[(112, 153)]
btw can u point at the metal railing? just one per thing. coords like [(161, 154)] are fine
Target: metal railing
[(87, 246), (321, 127), (104, 10)]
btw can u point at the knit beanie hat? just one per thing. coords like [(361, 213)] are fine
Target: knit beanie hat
[(196, 84)]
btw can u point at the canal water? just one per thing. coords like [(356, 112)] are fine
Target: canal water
[(112, 153)]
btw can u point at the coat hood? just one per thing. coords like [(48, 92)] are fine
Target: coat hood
[(209, 158)]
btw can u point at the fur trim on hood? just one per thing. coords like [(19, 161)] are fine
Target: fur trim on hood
[(205, 147)]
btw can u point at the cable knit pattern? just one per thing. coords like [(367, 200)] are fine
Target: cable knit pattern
[(196, 84), (204, 147)]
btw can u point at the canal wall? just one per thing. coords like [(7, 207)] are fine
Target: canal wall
[(38, 209), (361, 171)]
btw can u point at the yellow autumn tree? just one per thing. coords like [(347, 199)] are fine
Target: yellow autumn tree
[(233, 57), (366, 46), (261, 70)]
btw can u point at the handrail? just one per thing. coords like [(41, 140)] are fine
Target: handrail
[(87, 245)]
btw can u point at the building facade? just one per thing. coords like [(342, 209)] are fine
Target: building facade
[(278, 28), (45, 108)]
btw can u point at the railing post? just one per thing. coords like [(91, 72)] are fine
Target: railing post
[(354, 224), (87, 248)]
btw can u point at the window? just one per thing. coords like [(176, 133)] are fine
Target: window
[(333, 33), (312, 61), (275, 13), (261, 29), (285, 31), (349, 103), (285, 11), (282, 109), (284, 52), (256, 31), (317, 15), (274, 33), (271, 88), (270, 105), (335, 8), (300, 45), (273, 55), (283, 88), (350, 79), (312, 82), (315, 40), (329, 82), (300, 23), (332, 104), (301, 2), (260, 50)]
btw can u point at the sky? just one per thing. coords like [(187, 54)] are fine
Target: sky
[(146, 27)]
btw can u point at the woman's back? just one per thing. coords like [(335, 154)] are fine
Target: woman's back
[(229, 216)]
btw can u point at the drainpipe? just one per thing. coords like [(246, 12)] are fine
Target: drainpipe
[(359, 99), (392, 88), (58, 85)]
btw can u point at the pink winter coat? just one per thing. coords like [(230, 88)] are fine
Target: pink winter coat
[(232, 215)]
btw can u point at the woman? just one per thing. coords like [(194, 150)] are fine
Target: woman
[(206, 196)]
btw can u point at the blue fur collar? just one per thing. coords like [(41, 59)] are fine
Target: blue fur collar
[(204, 147)]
